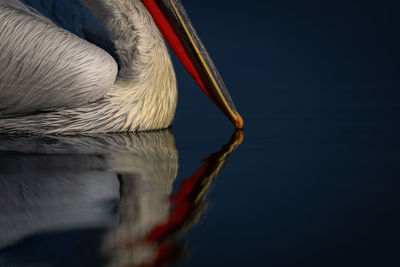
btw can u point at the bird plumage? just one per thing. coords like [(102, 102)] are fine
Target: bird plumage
[(53, 81), (73, 17)]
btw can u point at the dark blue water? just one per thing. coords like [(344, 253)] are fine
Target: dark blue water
[(314, 183)]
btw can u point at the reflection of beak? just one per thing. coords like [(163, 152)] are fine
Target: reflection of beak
[(189, 203), (173, 22), (191, 197)]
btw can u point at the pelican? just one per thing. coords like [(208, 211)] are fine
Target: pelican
[(95, 66)]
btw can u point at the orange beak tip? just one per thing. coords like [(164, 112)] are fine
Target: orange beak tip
[(239, 121)]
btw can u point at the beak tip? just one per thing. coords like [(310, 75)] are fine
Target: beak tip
[(239, 121)]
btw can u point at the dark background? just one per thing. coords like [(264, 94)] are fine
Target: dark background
[(316, 181)]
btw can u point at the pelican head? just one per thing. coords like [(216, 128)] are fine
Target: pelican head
[(60, 74), (172, 20)]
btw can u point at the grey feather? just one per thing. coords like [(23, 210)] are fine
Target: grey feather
[(46, 68), (53, 82)]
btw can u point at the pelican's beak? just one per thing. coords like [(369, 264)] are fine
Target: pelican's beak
[(174, 24)]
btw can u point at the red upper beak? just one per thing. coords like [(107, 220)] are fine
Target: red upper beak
[(174, 24)]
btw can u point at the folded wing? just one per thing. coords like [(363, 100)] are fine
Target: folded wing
[(45, 67)]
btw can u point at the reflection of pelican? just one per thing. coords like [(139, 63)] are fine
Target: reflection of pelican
[(157, 242), (69, 182), (59, 71), (54, 184)]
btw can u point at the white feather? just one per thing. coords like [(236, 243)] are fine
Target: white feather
[(73, 80)]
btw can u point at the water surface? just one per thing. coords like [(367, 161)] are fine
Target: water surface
[(102, 200)]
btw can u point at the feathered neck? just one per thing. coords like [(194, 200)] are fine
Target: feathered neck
[(146, 84)]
